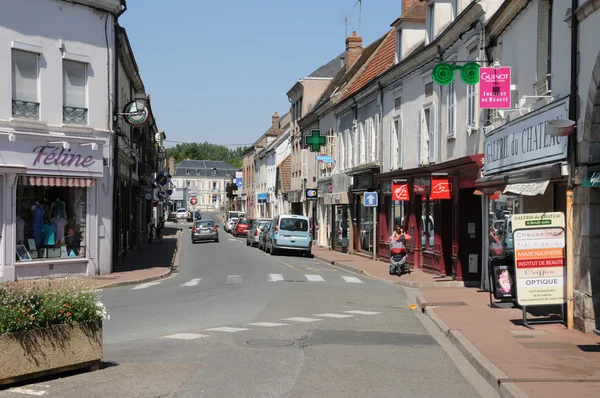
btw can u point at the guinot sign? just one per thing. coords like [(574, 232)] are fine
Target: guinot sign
[(494, 88)]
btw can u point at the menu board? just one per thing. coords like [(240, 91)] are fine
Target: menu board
[(539, 244)]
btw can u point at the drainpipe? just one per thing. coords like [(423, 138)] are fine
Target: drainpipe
[(377, 231), (573, 163)]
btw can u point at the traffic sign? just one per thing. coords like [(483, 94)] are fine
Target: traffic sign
[(194, 201), (370, 199)]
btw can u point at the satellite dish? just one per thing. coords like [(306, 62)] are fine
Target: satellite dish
[(560, 127)]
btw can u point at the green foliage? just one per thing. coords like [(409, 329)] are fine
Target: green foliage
[(207, 151), (39, 304)]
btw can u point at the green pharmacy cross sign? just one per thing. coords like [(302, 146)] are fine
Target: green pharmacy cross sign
[(443, 74), (315, 140)]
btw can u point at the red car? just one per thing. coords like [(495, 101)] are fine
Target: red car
[(241, 227)]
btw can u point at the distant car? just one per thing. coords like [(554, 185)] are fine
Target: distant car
[(253, 236), (172, 216), (182, 213), (289, 232), (204, 230), (231, 225), (241, 227), (194, 216)]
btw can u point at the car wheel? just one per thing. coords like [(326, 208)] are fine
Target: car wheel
[(247, 243), (273, 251)]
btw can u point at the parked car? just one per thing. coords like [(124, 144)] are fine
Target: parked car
[(241, 227), (204, 230), (182, 213), (194, 216), (262, 237), (290, 232), (172, 216), (252, 238), (228, 225)]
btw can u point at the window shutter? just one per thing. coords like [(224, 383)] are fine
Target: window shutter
[(24, 76), (471, 106), (451, 110), (419, 140), (432, 135), (74, 84), (355, 147), (364, 142), (391, 146), (542, 40), (399, 140), (375, 149)]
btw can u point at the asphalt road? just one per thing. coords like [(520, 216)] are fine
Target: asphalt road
[(235, 322)]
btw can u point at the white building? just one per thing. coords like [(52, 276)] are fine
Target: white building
[(56, 107)]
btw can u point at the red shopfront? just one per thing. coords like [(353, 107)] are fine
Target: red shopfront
[(442, 215)]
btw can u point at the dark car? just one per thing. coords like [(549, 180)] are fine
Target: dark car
[(172, 217), (242, 226), (262, 237), (194, 216), (204, 230)]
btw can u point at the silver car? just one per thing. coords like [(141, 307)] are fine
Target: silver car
[(253, 236), (205, 230)]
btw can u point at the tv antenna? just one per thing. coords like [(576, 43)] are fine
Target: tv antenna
[(359, 2), (346, 21)]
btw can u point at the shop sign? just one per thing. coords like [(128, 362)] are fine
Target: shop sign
[(324, 187), (400, 191), (363, 182), (524, 142), (503, 286), (262, 197), (441, 187), (136, 113), (592, 179), (421, 186), (312, 194), (239, 178), (539, 244), (494, 88)]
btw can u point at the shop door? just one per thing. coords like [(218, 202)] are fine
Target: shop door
[(446, 235), (469, 236)]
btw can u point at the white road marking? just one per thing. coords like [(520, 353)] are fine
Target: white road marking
[(28, 391), (146, 285), (275, 277), (185, 336), (193, 282), (352, 279), (334, 315), (314, 278), (359, 312), (232, 279), (301, 319), (267, 324), (233, 240), (227, 329)]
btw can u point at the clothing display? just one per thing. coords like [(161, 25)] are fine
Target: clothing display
[(57, 209), (20, 230), (49, 232), (38, 224), (60, 224)]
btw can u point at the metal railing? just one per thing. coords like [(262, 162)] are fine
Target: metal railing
[(74, 115), (26, 109)]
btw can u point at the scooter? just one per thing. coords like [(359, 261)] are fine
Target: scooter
[(398, 264)]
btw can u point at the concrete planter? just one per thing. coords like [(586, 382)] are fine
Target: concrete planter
[(41, 352)]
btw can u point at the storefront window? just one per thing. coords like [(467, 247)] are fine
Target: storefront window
[(51, 220), (427, 223), (500, 211), (397, 215)]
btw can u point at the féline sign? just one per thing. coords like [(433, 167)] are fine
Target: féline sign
[(539, 244)]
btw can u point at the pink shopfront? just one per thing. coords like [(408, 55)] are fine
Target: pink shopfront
[(49, 204)]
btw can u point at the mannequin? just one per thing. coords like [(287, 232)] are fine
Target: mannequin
[(57, 208), (37, 223), (59, 223), (20, 230), (49, 232)]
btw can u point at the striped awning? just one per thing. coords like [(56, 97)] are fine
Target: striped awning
[(57, 181)]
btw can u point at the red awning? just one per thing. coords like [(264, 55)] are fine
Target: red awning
[(57, 181)]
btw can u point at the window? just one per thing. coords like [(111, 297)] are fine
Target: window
[(74, 92), (398, 131), (51, 220), (398, 46), (25, 75), (214, 185), (450, 102), (397, 215), (454, 9), (419, 139), (397, 103), (214, 200), (427, 224), (544, 50), (293, 224), (214, 171), (430, 22)]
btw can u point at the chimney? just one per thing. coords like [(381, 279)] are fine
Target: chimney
[(275, 127), (353, 49), (172, 165), (406, 4)]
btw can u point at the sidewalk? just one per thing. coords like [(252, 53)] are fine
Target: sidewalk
[(154, 261), (548, 361)]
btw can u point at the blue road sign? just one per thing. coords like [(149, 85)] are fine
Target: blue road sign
[(370, 199), (238, 182)]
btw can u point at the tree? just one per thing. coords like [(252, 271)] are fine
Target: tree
[(207, 151)]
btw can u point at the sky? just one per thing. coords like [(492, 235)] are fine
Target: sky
[(217, 70)]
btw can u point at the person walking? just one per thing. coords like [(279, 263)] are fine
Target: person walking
[(159, 229)]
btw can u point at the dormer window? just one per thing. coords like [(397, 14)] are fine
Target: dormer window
[(214, 171), (398, 45), (227, 173), (187, 172), (197, 172)]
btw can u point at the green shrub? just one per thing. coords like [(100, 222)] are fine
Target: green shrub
[(39, 304)]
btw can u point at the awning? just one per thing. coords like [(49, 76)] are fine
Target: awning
[(528, 189), (57, 181)]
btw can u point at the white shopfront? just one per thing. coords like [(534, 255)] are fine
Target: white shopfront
[(49, 204)]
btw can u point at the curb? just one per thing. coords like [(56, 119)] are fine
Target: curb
[(166, 274), (347, 267), (496, 378)]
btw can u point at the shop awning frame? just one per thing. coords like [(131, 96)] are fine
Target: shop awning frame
[(48, 181), (545, 172)]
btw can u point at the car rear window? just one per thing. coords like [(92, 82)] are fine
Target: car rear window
[(204, 224), (293, 224), (245, 221)]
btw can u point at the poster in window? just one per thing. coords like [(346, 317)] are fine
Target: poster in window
[(23, 253), (503, 282)]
